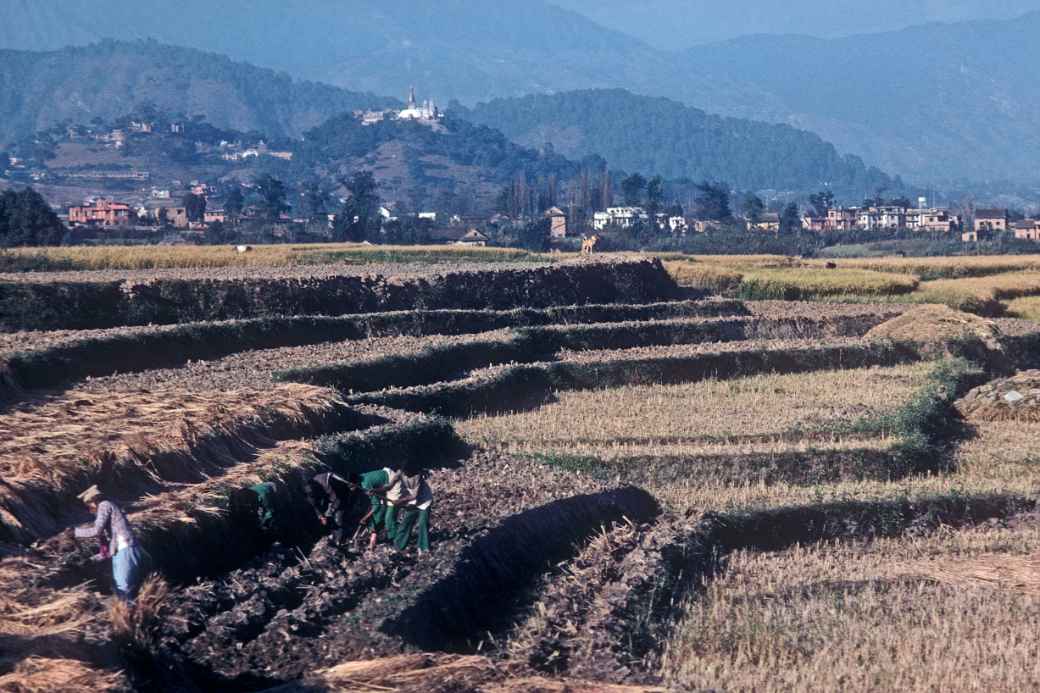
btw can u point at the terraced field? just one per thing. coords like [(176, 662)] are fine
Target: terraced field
[(633, 487)]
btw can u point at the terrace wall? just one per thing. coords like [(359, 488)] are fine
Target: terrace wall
[(83, 304)]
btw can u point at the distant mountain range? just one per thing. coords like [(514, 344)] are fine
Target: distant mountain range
[(106, 80), (680, 24), (652, 136), (935, 103)]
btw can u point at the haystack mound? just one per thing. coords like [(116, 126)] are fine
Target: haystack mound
[(1009, 399), (937, 324)]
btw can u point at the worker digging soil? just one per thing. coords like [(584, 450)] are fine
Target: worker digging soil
[(414, 512), (377, 484), (128, 564), (327, 493)]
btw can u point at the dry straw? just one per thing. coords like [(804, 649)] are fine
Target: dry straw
[(996, 571)]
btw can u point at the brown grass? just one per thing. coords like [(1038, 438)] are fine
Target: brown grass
[(48, 675), (128, 433), (132, 624), (160, 257), (996, 571), (937, 324), (896, 614), (764, 413), (424, 672)]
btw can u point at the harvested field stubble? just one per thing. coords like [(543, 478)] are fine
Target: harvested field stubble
[(825, 617), (518, 387), (196, 257), (607, 614), (109, 299), (765, 408), (37, 360), (452, 359)]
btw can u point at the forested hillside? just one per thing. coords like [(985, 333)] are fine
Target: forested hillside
[(455, 165), (660, 136), (106, 80)]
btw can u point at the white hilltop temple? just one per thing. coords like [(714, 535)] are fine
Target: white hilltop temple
[(426, 113), (414, 111)]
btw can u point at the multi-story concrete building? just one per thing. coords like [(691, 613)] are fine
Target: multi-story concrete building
[(102, 213)]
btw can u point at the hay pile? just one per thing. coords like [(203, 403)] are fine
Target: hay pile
[(1009, 399), (997, 571), (435, 672), (935, 324)]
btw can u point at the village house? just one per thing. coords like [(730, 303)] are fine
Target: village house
[(768, 222), (811, 222), (557, 223), (175, 216), (101, 212), (1027, 230), (842, 219), (620, 217), (931, 220), (990, 221), (458, 236), (678, 225), (701, 225)]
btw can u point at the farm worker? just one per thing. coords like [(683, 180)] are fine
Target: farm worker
[(413, 508), (264, 505), (327, 493), (377, 484), (256, 505), (127, 563)]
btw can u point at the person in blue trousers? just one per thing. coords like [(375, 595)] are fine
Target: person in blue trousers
[(127, 562)]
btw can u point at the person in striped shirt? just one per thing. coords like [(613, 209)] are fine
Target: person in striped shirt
[(127, 559)]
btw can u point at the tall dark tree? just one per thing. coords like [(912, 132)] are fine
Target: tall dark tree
[(752, 207), (272, 196), (195, 206), (27, 219), (314, 202), (632, 189), (535, 236), (234, 204), (358, 219), (822, 202), (790, 219), (713, 201), (654, 196)]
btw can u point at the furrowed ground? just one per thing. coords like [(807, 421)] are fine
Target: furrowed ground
[(635, 485)]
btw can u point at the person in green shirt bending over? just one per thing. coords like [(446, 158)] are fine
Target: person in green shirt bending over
[(377, 485), (413, 508)]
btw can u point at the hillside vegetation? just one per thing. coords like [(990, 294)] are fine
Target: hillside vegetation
[(110, 79), (660, 136)]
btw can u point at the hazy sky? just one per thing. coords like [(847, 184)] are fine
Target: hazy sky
[(683, 23)]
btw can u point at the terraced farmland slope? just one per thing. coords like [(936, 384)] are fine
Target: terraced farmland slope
[(610, 460)]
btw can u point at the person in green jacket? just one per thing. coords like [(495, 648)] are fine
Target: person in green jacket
[(413, 508), (377, 484)]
